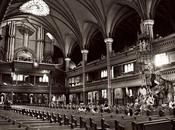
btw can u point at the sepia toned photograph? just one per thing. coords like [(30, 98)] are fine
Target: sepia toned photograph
[(87, 64)]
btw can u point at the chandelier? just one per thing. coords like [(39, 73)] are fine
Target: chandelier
[(35, 7)]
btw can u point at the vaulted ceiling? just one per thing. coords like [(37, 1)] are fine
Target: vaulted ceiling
[(79, 24)]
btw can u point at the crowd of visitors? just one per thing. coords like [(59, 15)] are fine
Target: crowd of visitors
[(130, 109)]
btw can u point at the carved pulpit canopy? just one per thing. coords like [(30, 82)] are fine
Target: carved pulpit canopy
[(23, 29), (24, 56)]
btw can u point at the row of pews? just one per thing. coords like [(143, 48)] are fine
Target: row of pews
[(156, 124), (72, 119)]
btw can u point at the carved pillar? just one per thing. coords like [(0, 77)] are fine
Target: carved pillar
[(108, 42), (67, 60), (40, 45), (145, 54), (84, 56), (11, 42), (50, 89), (147, 27), (12, 96), (34, 80), (26, 39)]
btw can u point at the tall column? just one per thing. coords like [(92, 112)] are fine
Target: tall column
[(50, 90), (26, 39), (145, 53), (67, 60), (108, 42), (84, 57), (12, 96), (34, 80), (11, 42), (0, 77), (147, 27), (40, 46)]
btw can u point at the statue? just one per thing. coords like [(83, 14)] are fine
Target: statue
[(162, 88)]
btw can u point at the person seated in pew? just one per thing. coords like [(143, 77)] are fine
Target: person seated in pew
[(82, 108), (94, 109), (73, 107), (116, 109), (88, 108), (7, 105), (130, 111), (101, 108), (137, 110), (106, 108), (171, 106)]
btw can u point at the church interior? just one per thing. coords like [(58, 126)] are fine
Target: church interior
[(87, 64)]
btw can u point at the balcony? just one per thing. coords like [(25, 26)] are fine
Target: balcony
[(164, 44), (117, 58), (30, 89), (128, 80)]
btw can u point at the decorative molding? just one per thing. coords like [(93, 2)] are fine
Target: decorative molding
[(67, 59), (148, 22), (26, 50), (84, 51), (108, 40)]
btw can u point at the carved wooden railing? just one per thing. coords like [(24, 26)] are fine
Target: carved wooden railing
[(164, 44)]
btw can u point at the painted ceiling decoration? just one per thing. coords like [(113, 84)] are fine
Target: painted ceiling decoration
[(35, 7)]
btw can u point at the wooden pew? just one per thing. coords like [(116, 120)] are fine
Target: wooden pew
[(104, 125), (118, 126), (82, 123), (60, 119), (74, 123), (66, 119), (152, 124), (54, 118), (173, 124), (162, 125), (92, 124)]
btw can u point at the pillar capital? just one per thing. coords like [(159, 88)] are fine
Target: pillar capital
[(146, 27), (148, 22), (67, 59), (84, 51), (108, 40)]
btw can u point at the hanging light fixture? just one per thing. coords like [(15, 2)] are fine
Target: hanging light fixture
[(35, 7)]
